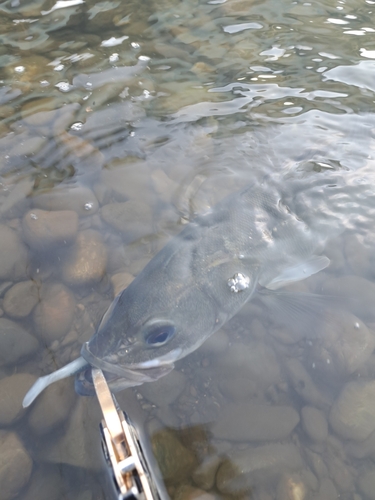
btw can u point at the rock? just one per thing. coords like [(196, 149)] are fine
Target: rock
[(15, 342), (204, 475), (52, 407), (215, 344), (366, 483), (79, 445), (21, 299), (12, 392), (352, 415), (359, 251), (13, 262), (314, 423), (362, 449), (132, 218), (255, 422), (86, 262), (187, 492), (15, 465), (327, 491), (45, 484), (175, 461), (128, 181), (165, 390), (78, 198), (263, 464), (120, 281), (54, 314), (43, 230), (291, 487)]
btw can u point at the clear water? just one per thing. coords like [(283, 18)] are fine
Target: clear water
[(166, 107)]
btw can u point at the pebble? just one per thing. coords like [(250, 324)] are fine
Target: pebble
[(352, 415), (21, 299), (246, 468), (15, 342), (13, 261), (15, 465), (54, 313), (165, 390), (12, 392), (366, 483), (86, 262), (255, 422), (314, 423), (132, 218), (44, 229), (175, 461), (204, 475), (291, 487), (52, 407), (128, 181), (78, 198)]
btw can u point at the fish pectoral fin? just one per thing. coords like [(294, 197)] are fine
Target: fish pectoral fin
[(299, 272), (43, 382)]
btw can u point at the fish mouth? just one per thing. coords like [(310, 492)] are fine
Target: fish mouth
[(120, 377)]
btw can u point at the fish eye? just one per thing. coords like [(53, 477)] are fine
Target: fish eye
[(159, 335)]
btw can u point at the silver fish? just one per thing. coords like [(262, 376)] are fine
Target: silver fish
[(252, 239)]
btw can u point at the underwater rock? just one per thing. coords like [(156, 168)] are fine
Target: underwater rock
[(86, 262), (204, 475), (15, 342), (187, 492), (314, 423), (78, 198), (352, 415), (43, 229), (21, 299), (132, 218), (13, 260), (12, 391), (120, 281), (15, 465), (366, 483), (54, 314), (164, 391), (255, 422)]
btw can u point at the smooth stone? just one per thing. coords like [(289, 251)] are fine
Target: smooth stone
[(132, 218), (128, 181), (46, 483), (163, 185), (246, 468), (204, 475), (17, 201), (43, 229), (366, 483), (54, 313), (352, 415), (187, 492), (13, 261), (120, 281), (175, 461), (52, 407), (87, 261), (327, 491), (314, 423), (362, 449), (12, 391), (79, 445), (291, 487), (255, 422), (21, 299), (15, 465), (165, 390), (78, 198), (15, 342)]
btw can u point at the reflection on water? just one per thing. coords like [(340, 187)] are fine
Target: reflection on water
[(119, 122)]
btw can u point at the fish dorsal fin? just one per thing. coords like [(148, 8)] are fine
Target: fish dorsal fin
[(298, 272), (43, 382)]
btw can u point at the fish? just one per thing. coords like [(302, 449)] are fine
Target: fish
[(256, 240)]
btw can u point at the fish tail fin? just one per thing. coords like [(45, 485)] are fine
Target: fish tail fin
[(66, 371)]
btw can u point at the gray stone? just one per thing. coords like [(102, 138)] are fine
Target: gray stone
[(52, 407), (255, 422), (54, 313), (128, 180), (187, 492), (12, 392), (327, 491), (204, 475), (132, 218), (13, 255), (43, 229), (246, 468), (366, 483), (165, 390), (21, 299), (15, 465), (78, 198), (353, 413), (45, 484), (291, 487), (15, 342), (314, 424), (87, 260)]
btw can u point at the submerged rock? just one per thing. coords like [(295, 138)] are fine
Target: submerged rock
[(255, 422), (13, 255), (15, 342), (15, 465), (12, 392), (21, 299), (366, 483), (78, 198), (165, 390), (187, 492), (44, 229), (353, 413), (246, 468), (314, 423), (133, 218)]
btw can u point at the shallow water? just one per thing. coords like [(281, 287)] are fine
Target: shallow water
[(120, 122)]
